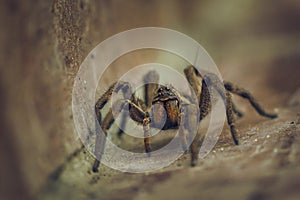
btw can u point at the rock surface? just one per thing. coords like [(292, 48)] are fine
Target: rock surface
[(264, 166)]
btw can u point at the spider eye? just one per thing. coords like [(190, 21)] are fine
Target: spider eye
[(160, 90), (168, 89)]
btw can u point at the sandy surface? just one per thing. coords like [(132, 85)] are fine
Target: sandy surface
[(264, 166)]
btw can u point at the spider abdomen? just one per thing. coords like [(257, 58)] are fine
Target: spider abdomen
[(165, 114), (172, 110)]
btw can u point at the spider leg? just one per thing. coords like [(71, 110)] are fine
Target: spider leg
[(213, 81), (139, 108), (192, 76), (109, 118), (188, 121), (117, 86), (181, 130), (150, 80), (205, 107), (146, 127), (100, 137), (142, 117), (135, 113), (151, 84), (203, 97), (138, 114), (122, 125), (102, 101), (230, 117), (245, 94), (237, 111)]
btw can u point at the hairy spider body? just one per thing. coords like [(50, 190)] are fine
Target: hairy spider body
[(165, 108)]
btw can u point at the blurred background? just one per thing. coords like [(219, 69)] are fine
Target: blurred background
[(254, 43)]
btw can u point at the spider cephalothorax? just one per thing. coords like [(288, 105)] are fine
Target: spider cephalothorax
[(165, 108)]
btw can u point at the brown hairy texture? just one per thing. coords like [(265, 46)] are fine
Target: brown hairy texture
[(168, 113)]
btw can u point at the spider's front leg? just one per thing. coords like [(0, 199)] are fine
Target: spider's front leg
[(188, 121), (101, 135), (201, 88), (204, 101), (151, 80), (136, 113), (109, 118), (182, 118), (146, 127)]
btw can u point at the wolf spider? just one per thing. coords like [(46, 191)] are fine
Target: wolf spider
[(173, 106)]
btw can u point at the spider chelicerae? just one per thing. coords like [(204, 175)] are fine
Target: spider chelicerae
[(166, 108)]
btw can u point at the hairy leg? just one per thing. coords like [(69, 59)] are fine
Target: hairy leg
[(213, 81), (135, 112), (190, 120), (200, 88), (150, 79), (102, 101), (245, 94), (102, 133), (230, 117), (193, 78), (146, 127), (182, 134), (236, 110), (122, 125), (109, 118), (151, 84), (205, 107)]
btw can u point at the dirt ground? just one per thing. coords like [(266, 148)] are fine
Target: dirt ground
[(264, 166), (254, 45)]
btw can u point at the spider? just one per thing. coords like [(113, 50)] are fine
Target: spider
[(164, 102)]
